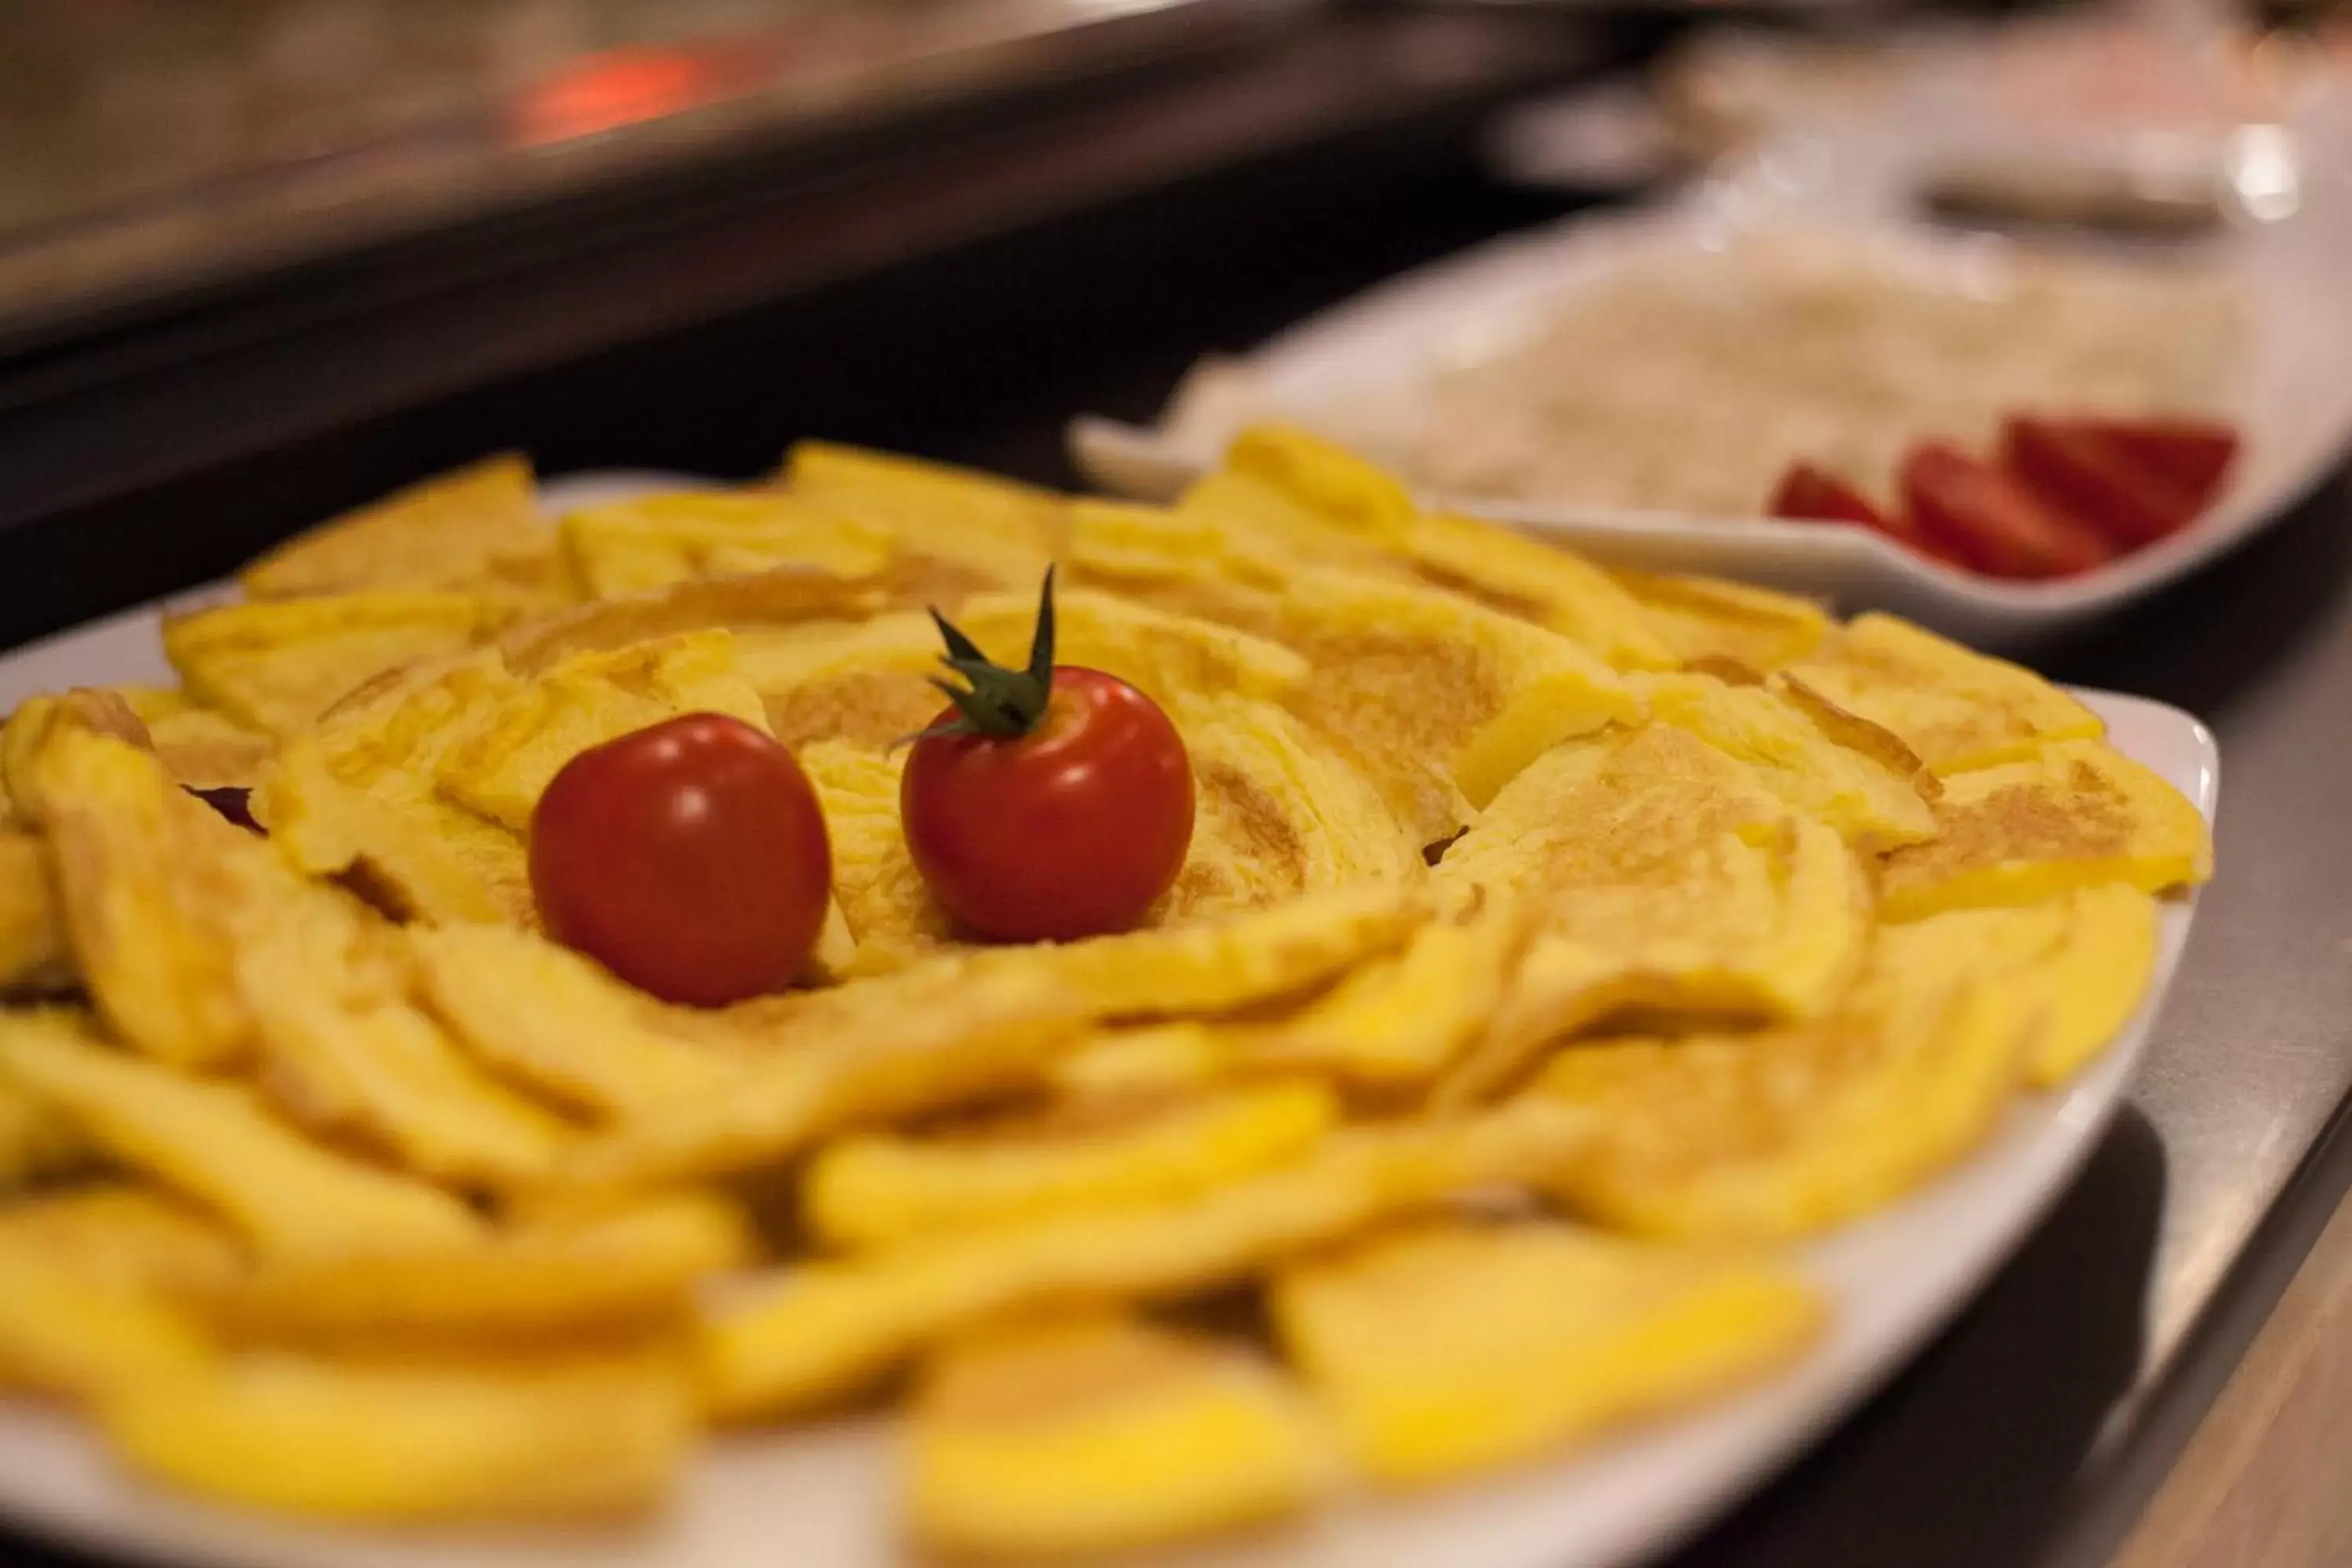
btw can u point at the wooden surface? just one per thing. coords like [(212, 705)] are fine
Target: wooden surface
[(2262, 1483)]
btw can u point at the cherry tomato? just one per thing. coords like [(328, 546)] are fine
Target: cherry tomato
[(1813, 495), (1073, 830), (689, 858)]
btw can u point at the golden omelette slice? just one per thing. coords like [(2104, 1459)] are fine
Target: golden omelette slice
[(880, 1188), (653, 541), (1395, 1024), (1957, 709), (960, 1028), (157, 890), (1278, 813), (1100, 1433), (2075, 814), (411, 1440), (95, 710), (426, 787), (1456, 1348), (345, 1050), (358, 796), (515, 750), (74, 1336), (1504, 571), (1443, 700), (1705, 620), (120, 1235), (1794, 1129), (33, 953), (954, 531), (548, 1018), (200, 746), (867, 683), (213, 1140), (475, 528), (36, 1140), (1856, 778), (2080, 963), (1185, 563), (97, 1286), (1661, 872), (279, 665), (632, 1270), (825, 1329)]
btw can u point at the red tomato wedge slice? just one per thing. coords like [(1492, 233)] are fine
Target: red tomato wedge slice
[(1815, 495), (2090, 477), (2193, 453), (1990, 519)]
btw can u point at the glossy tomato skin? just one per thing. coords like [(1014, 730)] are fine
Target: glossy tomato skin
[(1074, 829), (690, 858)]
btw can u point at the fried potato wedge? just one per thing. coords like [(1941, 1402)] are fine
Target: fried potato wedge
[(828, 1329), (653, 541), (1786, 1130), (1102, 1433), (34, 956), (1957, 709), (346, 1051), (410, 1441), (212, 1141), (1871, 794), (277, 666), (154, 885), (2079, 962), (118, 1234), (631, 1269), (475, 528), (1707, 621), (85, 1337), (1452, 1348), (1661, 871), (2074, 814), (879, 1189), (550, 1019)]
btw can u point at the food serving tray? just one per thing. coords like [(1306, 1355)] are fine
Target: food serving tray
[(2286, 389), (1893, 1280)]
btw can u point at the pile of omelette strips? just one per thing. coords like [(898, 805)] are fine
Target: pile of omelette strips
[(1556, 947)]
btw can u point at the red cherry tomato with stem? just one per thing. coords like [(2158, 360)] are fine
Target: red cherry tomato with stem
[(1046, 803), (689, 858)]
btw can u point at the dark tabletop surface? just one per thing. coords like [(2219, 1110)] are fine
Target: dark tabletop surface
[(2036, 1427)]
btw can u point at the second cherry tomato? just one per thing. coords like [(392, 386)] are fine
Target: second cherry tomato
[(1048, 803), (690, 858)]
